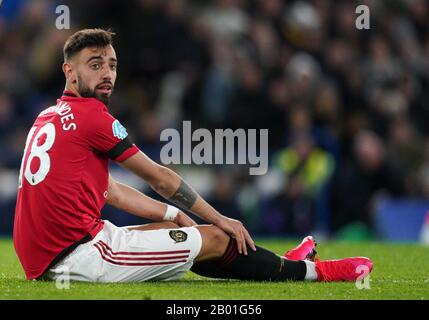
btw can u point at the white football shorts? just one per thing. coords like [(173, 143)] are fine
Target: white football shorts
[(118, 254)]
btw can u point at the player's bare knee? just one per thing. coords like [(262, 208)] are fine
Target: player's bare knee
[(215, 240), (219, 236)]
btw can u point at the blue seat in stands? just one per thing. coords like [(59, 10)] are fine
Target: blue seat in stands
[(400, 219)]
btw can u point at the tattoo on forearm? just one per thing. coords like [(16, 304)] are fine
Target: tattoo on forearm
[(184, 196)]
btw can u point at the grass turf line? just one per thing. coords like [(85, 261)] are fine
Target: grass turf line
[(401, 271)]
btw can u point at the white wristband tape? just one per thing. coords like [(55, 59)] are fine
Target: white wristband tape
[(171, 213)]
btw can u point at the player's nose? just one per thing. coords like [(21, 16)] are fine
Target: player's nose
[(107, 75)]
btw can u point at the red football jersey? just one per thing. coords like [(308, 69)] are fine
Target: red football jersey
[(63, 181)]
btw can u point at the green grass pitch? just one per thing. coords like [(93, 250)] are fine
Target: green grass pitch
[(401, 271)]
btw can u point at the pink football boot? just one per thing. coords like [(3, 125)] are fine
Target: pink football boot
[(348, 269), (304, 251)]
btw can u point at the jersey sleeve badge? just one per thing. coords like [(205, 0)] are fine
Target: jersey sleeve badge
[(119, 130)]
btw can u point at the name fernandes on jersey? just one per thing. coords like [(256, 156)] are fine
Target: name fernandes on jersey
[(65, 111)]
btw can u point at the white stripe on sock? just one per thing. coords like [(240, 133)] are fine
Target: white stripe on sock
[(311, 273)]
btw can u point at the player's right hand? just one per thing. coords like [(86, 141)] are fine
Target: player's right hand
[(183, 220), (236, 230)]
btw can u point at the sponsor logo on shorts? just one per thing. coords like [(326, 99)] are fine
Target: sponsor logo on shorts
[(178, 235)]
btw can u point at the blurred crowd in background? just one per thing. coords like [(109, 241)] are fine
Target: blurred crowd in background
[(346, 109)]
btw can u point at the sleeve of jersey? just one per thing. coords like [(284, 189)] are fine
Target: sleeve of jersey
[(108, 136)]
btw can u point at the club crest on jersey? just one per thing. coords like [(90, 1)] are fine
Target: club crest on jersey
[(119, 130), (178, 235)]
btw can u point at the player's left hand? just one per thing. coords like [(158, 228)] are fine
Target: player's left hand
[(236, 230), (183, 220)]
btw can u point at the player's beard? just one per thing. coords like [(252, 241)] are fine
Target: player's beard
[(87, 92)]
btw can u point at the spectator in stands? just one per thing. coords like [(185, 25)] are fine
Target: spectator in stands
[(368, 174), (299, 68)]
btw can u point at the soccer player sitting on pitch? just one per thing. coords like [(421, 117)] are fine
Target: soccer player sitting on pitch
[(64, 182)]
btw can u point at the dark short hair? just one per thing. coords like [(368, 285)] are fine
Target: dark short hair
[(86, 38)]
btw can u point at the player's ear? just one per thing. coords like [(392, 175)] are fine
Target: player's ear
[(68, 72)]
